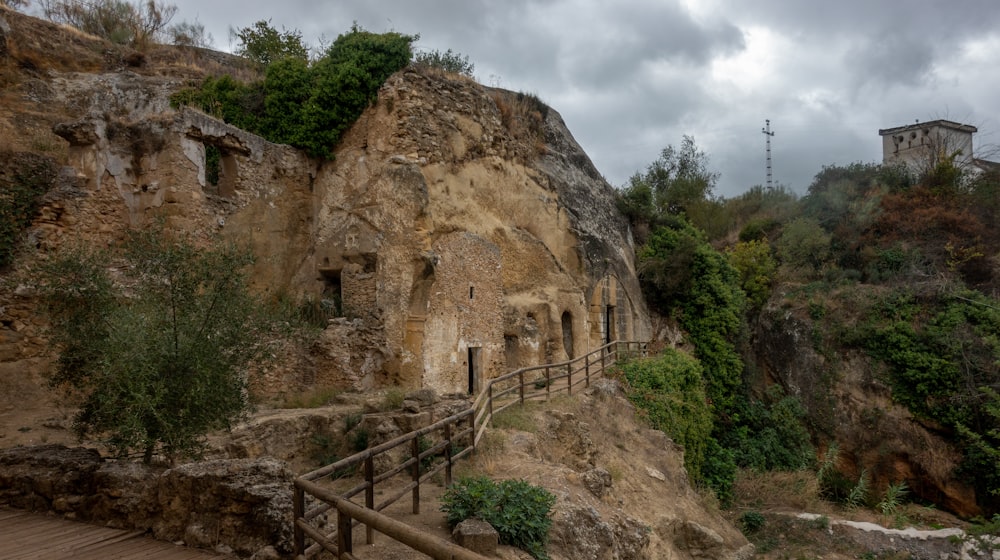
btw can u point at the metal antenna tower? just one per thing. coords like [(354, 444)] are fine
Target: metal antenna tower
[(767, 132)]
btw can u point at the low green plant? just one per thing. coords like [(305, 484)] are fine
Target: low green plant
[(893, 498), (359, 439), (859, 494), (982, 534), (822, 523), (752, 521), (449, 61), (393, 399), (518, 510), (324, 450), (352, 420)]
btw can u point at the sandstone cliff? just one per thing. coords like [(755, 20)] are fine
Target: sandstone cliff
[(460, 231)]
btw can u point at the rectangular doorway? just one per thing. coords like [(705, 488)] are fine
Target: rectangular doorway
[(474, 369), (609, 324)]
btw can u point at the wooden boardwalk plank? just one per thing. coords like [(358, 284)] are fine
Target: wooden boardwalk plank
[(31, 536)]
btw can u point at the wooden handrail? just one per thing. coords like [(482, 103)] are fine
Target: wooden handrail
[(468, 425)]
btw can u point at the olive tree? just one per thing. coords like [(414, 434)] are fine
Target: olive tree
[(156, 337)]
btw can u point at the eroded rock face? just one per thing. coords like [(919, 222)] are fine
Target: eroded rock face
[(455, 246), (241, 505), (850, 404)]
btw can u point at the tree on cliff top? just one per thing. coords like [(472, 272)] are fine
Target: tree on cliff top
[(264, 44), (156, 337), (307, 104)]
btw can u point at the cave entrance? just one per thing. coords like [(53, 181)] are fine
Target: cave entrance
[(474, 367), (567, 333)]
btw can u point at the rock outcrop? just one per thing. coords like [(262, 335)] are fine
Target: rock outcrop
[(852, 407), (237, 506), (459, 231)]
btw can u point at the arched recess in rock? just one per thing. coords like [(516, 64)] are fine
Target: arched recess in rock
[(412, 367), (567, 334)]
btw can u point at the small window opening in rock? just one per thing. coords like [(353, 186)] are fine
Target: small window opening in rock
[(472, 291)]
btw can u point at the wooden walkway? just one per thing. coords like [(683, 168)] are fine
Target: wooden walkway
[(25, 535)]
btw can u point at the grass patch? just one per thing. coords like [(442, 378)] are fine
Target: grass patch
[(517, 417), (393, 399), (312, 398)]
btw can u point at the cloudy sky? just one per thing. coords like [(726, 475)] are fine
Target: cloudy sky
[(632, 76)]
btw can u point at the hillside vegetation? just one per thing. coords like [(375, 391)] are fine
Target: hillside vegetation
[(895, 266)]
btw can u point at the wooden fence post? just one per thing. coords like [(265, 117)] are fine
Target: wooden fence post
[(369, 495), (298, 512), (345, 542), (489, 402), (415, 449), (447, 455), (472, 427)]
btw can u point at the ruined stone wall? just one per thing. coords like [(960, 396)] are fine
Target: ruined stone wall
[(465, 321), (241, 506)]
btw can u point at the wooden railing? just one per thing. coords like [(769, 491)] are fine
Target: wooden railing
[(445, 441)]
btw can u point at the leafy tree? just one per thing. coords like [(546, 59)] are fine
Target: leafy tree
[(117, 21), (190, 34), (680, 177), (159, 350), (677, 181), (804, 245), (756, 268), (305, 105), (448, 61), (683, 275), (264, 44)]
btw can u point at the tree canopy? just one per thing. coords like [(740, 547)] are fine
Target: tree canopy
[(156, 337)]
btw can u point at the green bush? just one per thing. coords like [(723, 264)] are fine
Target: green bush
[(752, 521), (24, 178), (448, 61), (303, 104), (160, 350), (518, 510), (669, 389)]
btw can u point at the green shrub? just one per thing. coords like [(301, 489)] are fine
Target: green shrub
[(669, 389), (324, 450), (159, 351), (352, 420), (307, 105), (24, 178), (752, 521), (359, 439), (448, 61), (518, 510)]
